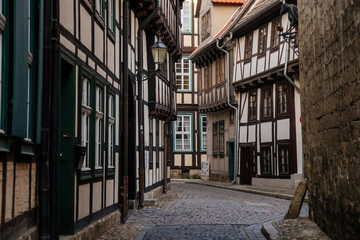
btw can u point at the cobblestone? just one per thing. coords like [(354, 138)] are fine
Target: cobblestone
[(201, 212)]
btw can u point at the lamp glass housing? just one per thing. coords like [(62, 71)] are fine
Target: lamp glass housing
[(158, 51)]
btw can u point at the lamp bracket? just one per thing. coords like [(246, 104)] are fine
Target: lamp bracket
[(144, 75)]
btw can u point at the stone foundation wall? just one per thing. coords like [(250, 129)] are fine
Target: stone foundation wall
[(218, 177), (329, 47)]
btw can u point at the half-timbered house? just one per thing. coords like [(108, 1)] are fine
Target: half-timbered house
[(190, 129), (20, 116), (216, 98), (266, 76)]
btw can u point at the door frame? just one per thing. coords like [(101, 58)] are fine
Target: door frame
[(231, 164), (66, 169), (243, 172)]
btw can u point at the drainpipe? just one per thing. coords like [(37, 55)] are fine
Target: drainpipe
[(141, 105), (228, 97), (286, 67), (167, 123), (44, 166), (125, 130)]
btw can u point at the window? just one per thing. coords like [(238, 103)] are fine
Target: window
[(215, 138), (232, 116), (262, 39), (219, 64), (200, 80), (111, 131), (253, 161), (111, 15), (183, 75), (218, 138), (267, 103), (100, 8), (284, 159), (275, 38), (203, 133), (209, 76), (205, 25), (186, 17), (85, 121), (282, 98), (99, 127), (248, 46), (266, 160), (252, 106), (183, 133)]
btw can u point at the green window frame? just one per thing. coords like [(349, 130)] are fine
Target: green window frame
[(183, 133), (111, 19), (184, 73), (203, 132), (100, 8), (219, 139), (187, 18)]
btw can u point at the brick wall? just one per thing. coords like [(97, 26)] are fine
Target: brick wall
[(329, 33)]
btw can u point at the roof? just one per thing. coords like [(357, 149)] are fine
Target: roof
[(228, 25), (228, 1), (257, 9)]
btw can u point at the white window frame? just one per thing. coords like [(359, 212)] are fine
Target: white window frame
[(111, 126), (180, 130), (85, 120), (203, 133), (182, 74), (187, 5), (99, 127)]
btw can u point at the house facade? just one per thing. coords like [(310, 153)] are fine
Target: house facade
[(20, 116), (190, 130), (213, 90), (266, 77), (86, 106)]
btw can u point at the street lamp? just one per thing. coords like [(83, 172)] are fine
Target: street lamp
[(158, 51)]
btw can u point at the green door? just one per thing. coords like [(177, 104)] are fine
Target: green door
[(66, 149), (231, 160)]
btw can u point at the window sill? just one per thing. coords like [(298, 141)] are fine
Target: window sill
[(100, 20), (111, 35)]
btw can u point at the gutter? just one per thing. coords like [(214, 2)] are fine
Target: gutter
[(228, 97)]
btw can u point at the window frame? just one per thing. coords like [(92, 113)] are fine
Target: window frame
[(270, 89), (111, 26), (183, 74), (202, 133), (275, 39), (183, 150), (262, 43), (248, 46), (287, 147), (205, 25), (252, 118), (219, 136), (279, 113), (190, 32), (262, 164), (110, 120), (100, 16), (87, 110)]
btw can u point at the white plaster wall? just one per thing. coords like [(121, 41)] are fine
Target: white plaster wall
[(85, 27), (266, 132), (84, 200), (67, 14), (99, 42), (252, 133), (97, 193), (283, 129)]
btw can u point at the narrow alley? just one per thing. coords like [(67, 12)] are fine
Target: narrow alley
[(190, 211)]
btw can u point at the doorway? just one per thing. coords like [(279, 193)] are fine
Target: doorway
[(245, 175), (231, 160), (66, 148)]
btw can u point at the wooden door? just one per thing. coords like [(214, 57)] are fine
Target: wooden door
[(245, 175)]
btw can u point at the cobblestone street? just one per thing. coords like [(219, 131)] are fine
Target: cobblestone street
[(191, 211)]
